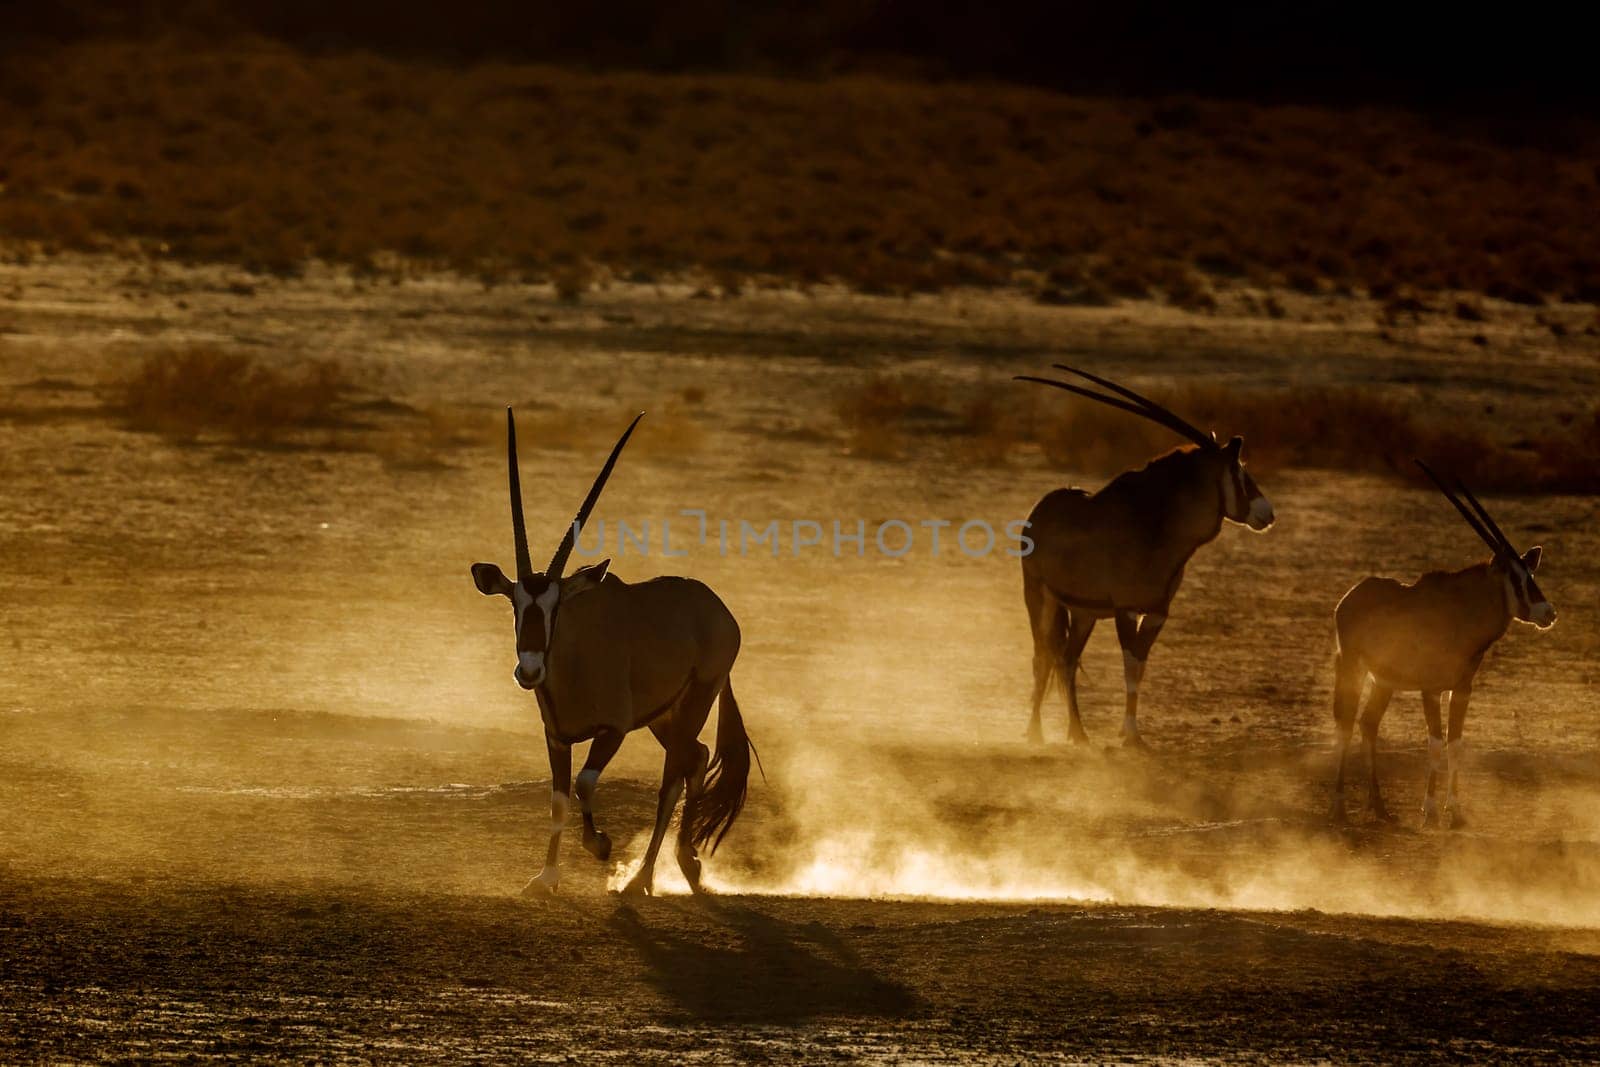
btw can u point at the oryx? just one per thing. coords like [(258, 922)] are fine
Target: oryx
[(605, 657), (1430, 636), (1120, 553)]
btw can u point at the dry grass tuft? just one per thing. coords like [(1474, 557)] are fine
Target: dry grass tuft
[(189, 392)]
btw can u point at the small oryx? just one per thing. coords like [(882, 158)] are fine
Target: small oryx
[(1430, 636), (1120, 553), (605, 657)]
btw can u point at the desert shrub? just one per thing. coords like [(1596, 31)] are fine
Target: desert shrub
[(187, 392), (1185, 290), (572, 280), (988, 431)]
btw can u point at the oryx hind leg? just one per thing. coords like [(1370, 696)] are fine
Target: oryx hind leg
[(1371, 716), (1047, 621), (683, 770), (694, 785), (1079, 626), (601, 750)]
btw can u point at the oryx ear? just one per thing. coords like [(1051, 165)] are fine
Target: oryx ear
[(583, 579), (490, 580), (1530, 558)]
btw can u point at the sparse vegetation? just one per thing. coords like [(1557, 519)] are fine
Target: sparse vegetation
[(1313, 427), (205, 392), (249, 151)]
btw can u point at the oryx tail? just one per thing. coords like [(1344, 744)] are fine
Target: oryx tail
[(727, 779)]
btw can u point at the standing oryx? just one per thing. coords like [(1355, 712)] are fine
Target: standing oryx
[(1120, 553), (605, 657), (1431, 636)]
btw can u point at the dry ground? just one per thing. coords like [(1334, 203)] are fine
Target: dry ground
[(268, 790)]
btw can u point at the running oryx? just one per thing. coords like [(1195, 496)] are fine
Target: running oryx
[(623, 656), (1431, 636), (1120, 553)]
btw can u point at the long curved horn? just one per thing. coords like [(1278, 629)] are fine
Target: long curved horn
[(1159, 416), (1168, 418), (1488, 520), (558, 561), (519, 529), (1090, 393), (1472, 520)]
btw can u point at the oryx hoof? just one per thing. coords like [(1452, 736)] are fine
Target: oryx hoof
[(1455, 820), (599, 845), (542, 884), (1336, 815), (1076, 735), (1136, 743), (1430, 818), (1035, 734), (639, 886), (1380, 813)]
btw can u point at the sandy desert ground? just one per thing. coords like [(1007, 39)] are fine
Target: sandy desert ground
[(269, 790)]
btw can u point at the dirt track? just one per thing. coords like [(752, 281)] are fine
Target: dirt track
[(267, 788)]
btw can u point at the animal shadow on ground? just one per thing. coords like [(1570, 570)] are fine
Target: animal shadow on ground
[(775, 970)]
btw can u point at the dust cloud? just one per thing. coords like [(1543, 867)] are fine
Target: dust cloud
[(918, 787), (1109, 827)]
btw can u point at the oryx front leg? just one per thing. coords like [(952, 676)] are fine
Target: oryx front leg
[(560, 792), (1079, 627), (1048, 621), (1454, 756), (601, 749), (1136, 636)]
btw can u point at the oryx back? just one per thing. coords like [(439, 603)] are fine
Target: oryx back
[(1126, 546), (623, 653), (1428, 635)]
